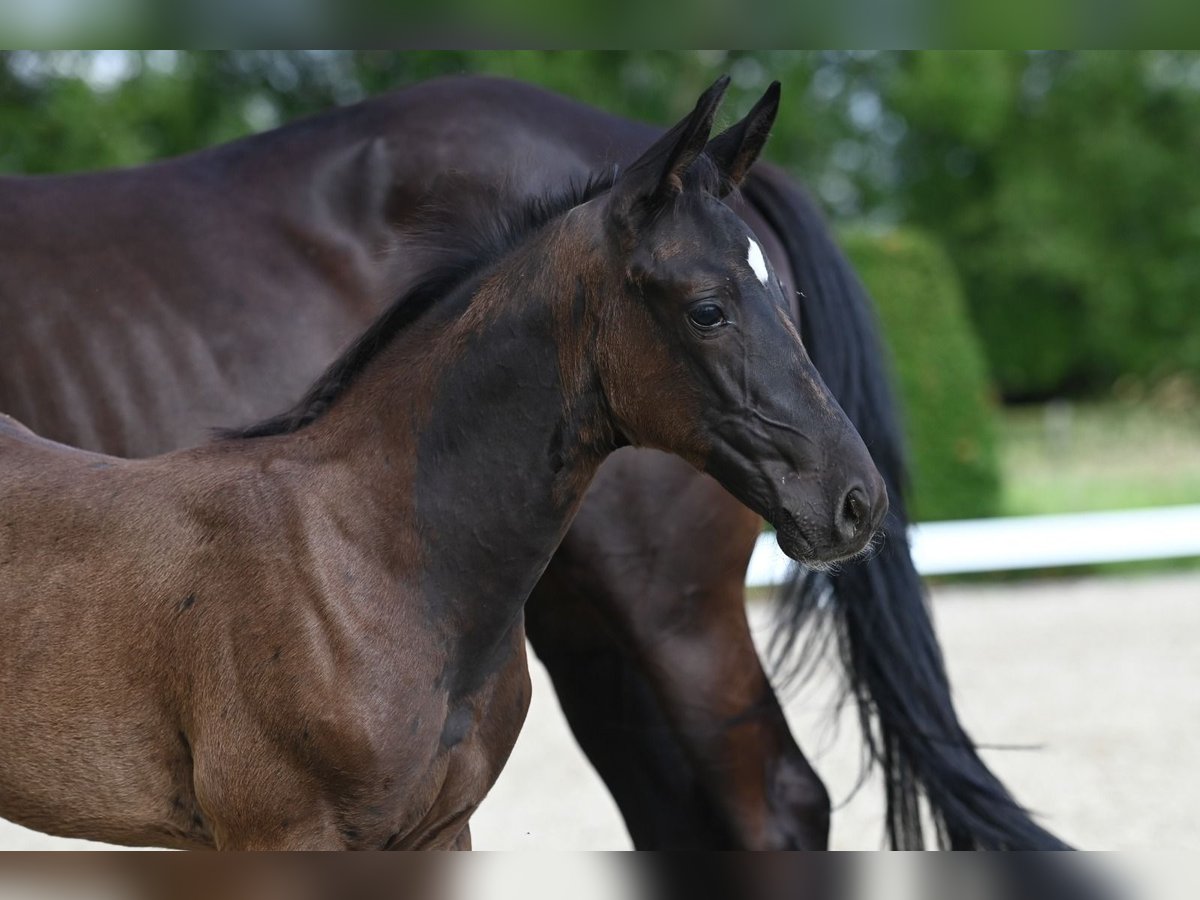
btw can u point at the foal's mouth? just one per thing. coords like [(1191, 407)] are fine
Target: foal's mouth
[(791, 538), (800, 547)]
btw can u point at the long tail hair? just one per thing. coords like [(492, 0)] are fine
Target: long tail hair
[(880, 620)]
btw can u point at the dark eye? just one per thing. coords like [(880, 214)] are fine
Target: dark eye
[(706, 316)]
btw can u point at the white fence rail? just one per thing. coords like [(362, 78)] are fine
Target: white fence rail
[(1028, 542)]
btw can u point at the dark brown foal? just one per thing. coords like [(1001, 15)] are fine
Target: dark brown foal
[(311, 634), (129, 329)]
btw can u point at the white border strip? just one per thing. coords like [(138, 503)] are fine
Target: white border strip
[(1027, 542)]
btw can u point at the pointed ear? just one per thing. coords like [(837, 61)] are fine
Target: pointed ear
[(735, 149), (658, 173)]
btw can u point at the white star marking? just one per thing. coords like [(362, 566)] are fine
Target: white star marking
[(758, 262)]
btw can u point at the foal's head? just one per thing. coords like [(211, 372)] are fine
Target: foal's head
[(698, 354)]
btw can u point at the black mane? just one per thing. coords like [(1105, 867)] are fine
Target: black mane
[(459, 243)]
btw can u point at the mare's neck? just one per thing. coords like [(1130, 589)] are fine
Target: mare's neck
[(475, 434)]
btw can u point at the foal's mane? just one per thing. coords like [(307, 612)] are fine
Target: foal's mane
[(459, 243)]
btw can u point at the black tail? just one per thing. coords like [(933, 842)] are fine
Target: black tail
[(886, 640)]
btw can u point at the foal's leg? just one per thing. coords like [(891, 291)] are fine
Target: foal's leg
[(308, 836), (640, 620), (250, 797), (276, 821)]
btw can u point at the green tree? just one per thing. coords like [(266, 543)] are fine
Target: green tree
[(1060, 184), (947, 405)]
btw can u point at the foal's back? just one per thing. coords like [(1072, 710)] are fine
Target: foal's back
[(79, 661)]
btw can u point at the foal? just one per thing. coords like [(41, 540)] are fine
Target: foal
[(310, 635)]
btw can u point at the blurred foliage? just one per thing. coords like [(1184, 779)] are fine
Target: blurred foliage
[(68, 110), (940, 373), (1060, 182)]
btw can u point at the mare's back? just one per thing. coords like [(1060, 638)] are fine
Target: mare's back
[(140, 308)]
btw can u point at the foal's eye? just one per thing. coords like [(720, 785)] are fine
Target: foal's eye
[(707, 316)]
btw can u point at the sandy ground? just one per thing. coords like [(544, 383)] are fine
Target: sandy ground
[(1101, 675)]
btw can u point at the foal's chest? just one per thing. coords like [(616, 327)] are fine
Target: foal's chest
[(474, 739)]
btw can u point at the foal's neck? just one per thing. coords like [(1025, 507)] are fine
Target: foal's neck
[(477, 435)]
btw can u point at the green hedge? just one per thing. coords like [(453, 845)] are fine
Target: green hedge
[(939, 370)]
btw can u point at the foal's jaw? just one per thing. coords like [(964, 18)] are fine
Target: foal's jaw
[(824, 508)]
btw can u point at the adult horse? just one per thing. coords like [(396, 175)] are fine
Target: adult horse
[(140, 308), (310, 634)]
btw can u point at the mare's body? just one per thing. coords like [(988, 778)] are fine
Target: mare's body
[(130, 327)]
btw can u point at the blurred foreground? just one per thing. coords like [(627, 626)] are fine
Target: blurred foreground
[(776, 876)]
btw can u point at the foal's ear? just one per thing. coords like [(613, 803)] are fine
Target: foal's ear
[(736, 148), (658, 173)]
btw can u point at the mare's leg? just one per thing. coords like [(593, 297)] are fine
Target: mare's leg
[(640, 620)]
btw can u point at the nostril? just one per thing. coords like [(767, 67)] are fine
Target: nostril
[(853, 515), (855, 501)]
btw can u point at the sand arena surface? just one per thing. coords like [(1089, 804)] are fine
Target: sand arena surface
[(1102, 675)]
